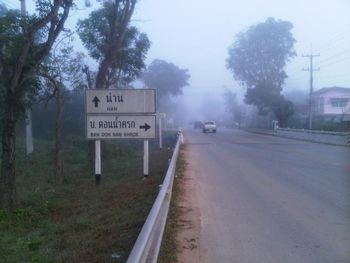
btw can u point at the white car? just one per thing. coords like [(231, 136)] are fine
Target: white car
[(209, 126)]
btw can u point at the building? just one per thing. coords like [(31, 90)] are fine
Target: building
[(332, 104)]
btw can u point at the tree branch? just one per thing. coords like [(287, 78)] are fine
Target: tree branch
[(115, 44), (53, 82), (54, 32)]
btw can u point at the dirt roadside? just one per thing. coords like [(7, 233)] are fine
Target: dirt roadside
[(190, 248)]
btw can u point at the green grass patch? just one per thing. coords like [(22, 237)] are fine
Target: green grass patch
[(77, 221)]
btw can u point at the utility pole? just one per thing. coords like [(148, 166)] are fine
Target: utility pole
[(311, 69), (23, 7), (29, 123)]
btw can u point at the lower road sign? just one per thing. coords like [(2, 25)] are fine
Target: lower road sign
[(121, 126)]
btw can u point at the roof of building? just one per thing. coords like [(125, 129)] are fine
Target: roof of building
[(324, 90)]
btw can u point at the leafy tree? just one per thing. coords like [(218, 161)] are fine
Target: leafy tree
[(166, 78), (130, 62), (104, 35), (3, 9), (24, 43), (56, 74), (233, 107), (257, 59), (283, 110)]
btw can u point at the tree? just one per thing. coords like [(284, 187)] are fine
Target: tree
[(166, 78), (103, 34), (257, 59), (233, 107), (3, 9), (283, 110), (130, 62), (56, 73), (24, 43)]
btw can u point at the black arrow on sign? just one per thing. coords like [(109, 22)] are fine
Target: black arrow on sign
[(96, 101), (146, 127)]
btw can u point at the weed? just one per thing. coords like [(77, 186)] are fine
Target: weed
[(77, 221)]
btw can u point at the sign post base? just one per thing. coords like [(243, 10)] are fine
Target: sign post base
[(97, 179)]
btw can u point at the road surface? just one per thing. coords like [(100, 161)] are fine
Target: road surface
[(267, 199)]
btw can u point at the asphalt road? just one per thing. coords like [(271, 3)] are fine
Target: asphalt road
[(269, 199)]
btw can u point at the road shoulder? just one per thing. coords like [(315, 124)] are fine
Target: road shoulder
[(188, 239)]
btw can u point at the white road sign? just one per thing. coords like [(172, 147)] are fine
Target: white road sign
[(119, 101), (120, 126)]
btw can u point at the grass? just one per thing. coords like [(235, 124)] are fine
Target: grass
[(77, 221), (169, 247)]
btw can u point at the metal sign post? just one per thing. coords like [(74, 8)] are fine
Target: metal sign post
[(160, 117), (160, 134), (97, 162), (145, 158)]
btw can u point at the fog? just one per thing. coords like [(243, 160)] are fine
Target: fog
[(196, 35)]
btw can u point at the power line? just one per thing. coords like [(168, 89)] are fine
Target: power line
[(334, 56), (9, 4), (335, 38), (336, 62), (343, 43)]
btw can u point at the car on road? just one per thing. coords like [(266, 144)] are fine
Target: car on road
[(209, 126)]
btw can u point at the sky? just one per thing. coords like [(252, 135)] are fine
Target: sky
[(196, 35)]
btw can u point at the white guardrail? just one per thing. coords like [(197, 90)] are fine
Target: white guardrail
[(146, 248), (335, 138), (328, 137)]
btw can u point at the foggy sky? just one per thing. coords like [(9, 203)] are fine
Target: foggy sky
[(196, 34)]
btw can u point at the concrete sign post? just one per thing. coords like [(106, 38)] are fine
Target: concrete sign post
[(97, 162), (145, 158), (160, 117), (160, 133), (120, 101)]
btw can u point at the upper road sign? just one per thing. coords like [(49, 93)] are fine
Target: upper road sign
[(119, 101)]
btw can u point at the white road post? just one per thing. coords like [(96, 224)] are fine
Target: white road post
[(29, 132), (160, 133), (145, 159), (29, 126), (98, 162)]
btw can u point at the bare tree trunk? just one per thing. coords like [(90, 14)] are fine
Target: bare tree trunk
[(58, 150), (86, 71), (8, 172), (117, 39)]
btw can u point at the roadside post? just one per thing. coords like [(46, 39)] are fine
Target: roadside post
[(97, 162), (160, 133), (120, 114), (145, 159)]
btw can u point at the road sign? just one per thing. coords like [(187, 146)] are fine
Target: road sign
[(120, 126), (119, 101)]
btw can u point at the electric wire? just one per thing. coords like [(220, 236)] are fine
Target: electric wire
[(7, 3)]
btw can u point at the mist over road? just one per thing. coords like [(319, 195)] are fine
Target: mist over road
[(269, 199)]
